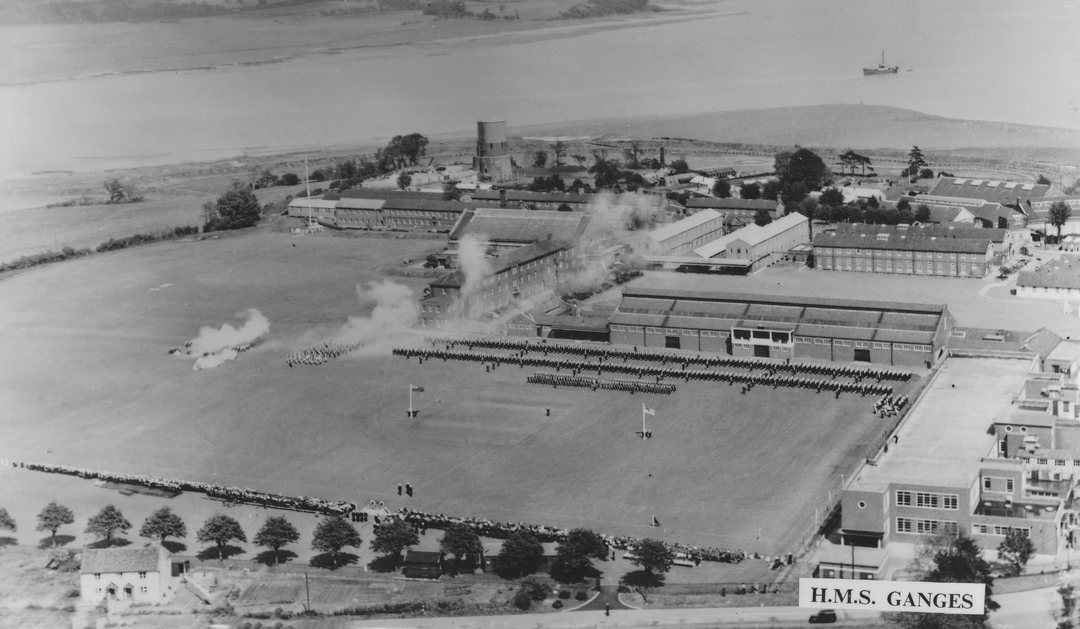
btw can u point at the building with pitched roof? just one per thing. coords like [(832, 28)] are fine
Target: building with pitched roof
[(685, 235), (532, 200), (314, 207), (422, 214), (906, 250), (1004, 192), (765, 326), (528, 272), (736, 209), (1057, 279), (960, 210), (137, 575), (1039, 210), (498, 229), (761, 245)]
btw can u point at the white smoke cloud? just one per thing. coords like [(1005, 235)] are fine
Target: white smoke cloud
[(211, 340), (615, 215), (394, 314), (473, 262), (213, 360)]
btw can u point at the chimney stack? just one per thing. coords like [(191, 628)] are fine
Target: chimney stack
[(662, 164)]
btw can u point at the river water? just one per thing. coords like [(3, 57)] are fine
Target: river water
[(992, 60)]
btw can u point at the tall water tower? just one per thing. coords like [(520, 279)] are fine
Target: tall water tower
[(492, 152)]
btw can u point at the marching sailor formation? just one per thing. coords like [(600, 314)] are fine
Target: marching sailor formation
[(320, 353), (632, 386), (749, 379), (602, 354)]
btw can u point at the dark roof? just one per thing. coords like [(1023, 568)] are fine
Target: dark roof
[(128, 559), (922, 230), (535, 197), (808, 316), (506, 260), (376, 193), (1004, 192), (903, 242), (422, 556), (733, 204), (432, 205), (520, 226), (813, 302)]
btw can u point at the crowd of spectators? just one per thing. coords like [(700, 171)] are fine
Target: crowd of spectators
[(419, 519)]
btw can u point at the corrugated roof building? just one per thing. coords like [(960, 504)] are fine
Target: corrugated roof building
[(782, 327), (683, 236)]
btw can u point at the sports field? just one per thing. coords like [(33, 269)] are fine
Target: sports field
[(89, 383)]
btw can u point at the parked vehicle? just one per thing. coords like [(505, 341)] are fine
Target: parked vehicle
[(824, 616)]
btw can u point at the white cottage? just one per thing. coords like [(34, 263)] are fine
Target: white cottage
[(137, 575)]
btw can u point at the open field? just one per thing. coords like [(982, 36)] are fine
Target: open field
[(722, 465)]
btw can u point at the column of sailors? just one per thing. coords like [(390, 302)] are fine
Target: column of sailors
[(631, 386), (482, 526), (522, 347), (320, 353), (890, 405), (749, 379)]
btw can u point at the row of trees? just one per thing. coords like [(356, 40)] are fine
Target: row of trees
[(521, 553), (401, 151)]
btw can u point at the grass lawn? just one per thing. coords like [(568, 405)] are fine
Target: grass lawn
[(95, 388)]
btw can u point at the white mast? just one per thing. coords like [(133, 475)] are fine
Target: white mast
[(307, 181)]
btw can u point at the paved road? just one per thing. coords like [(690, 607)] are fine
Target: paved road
[(623, 619), (609, 595)]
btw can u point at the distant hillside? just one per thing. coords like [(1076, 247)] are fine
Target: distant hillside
[(855, 126)]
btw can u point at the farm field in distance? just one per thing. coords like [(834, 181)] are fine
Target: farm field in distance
[(95, 388)]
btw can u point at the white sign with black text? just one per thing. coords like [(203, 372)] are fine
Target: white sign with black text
[(893, 596)]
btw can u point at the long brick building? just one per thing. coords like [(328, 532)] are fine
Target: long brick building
[(907, 250)]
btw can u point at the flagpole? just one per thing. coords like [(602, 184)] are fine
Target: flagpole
[(410, 399), (643, 421)]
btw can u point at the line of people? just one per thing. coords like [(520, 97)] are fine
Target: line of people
[(320, 353), (631, 386), (186, 349), (419, 519), (575, 367), (522, 347)]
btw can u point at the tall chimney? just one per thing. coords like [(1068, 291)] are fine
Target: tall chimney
[(662, 164), (502, 197)]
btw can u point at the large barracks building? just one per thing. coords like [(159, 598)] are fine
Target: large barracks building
[(885, 333)]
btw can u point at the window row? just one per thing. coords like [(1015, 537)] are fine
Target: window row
[(988, 483), (926, 500), (925, 527), (993, 529)]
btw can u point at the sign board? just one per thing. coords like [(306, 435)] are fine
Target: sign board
[(893, 596)]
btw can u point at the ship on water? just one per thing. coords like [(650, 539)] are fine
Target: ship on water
[(882, 68)]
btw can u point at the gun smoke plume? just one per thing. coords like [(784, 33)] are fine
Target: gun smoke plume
[(395, 312), (211, 340)]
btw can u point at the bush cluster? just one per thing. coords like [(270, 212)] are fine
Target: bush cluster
[(26, 262), (564, 594), (581, 595), (114, 244)]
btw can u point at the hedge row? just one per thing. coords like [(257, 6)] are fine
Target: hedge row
[(112, 244)]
